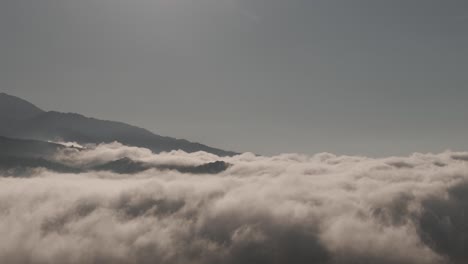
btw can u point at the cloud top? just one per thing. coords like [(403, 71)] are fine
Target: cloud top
[(289, 208)]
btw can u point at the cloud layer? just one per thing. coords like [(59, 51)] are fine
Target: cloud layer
[(289, 208)]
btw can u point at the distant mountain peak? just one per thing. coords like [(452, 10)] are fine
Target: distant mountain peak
[(21, 119), (15, 108)]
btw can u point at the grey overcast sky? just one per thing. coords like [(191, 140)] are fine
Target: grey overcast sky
[(269, 76)]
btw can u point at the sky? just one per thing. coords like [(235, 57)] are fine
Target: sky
[(372, 77)]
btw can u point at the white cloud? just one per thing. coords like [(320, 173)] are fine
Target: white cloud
[(289, 208)]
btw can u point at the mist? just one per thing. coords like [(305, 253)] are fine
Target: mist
[(290, 208)]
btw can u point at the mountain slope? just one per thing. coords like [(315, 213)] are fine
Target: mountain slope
[(18, 156), (19, 166), (15, 108), (27, 148), (33, 123), (128, 166)]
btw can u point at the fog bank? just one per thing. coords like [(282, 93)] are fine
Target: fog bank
[(289, 208)]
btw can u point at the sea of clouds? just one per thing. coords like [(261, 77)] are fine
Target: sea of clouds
[(289, 208)]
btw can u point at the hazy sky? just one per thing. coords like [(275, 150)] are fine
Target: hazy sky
[(352, 77)]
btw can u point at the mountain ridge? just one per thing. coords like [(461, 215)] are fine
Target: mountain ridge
[(15, 108), (35, 123), (19, 156), (27, 148)]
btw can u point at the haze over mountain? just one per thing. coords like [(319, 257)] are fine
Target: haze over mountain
[(350, 118), (163, 207), (111, 203), (16, 108), (27, 148), (22, 119), (19, 156)]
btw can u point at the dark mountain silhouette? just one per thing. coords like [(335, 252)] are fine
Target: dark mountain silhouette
[(15, 108), (20, 119), (123, 166), (18, 157), (207, 168), (27, 148), (19, 166), (129, 166)]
